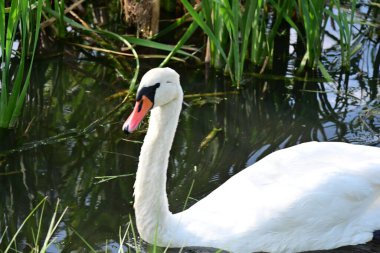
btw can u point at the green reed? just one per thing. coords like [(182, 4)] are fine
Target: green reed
[(312, 12), (39, 234), (202, 19), (225, 25), (239, 33), (105, 38), (345, 21), (39, 230), (19, 23), (60, 25)]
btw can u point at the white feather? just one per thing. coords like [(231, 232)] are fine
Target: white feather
[(312, 196)]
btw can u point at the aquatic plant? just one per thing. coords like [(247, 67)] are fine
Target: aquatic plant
[(238, 33), (39, 244), (19, 27), (312, 12), (106, 38), (345, 21)]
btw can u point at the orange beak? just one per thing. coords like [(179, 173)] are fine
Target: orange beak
[(142, 107)]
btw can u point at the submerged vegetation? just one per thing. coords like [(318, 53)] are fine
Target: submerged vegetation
[(67, 68)]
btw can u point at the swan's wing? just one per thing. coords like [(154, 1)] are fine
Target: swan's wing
[(311, 196), (310, 183)]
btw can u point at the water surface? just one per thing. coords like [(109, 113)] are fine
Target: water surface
[(68, 137)]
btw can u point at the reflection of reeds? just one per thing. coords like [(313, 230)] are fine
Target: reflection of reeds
[(23, 24)]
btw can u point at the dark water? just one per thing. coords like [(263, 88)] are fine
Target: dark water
[(265, 115), (68, 137)]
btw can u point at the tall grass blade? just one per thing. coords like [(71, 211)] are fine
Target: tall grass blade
[(3, 93), (24, 19), (238, 69), (259, 47), (84, 241), (122, 238), (53, 226), (104, 32), (39, 229), (190, 30), (7, 43), (180, 21), (188, 195), (23, 223), (312, 13), (13, 20), (133, 232), (60, 7), (17, 84), (155, 45), (3, 234), (127, 40), (286, 16), (248, 16), (199, 18), (345, 23), (20, 100), (324, 72)]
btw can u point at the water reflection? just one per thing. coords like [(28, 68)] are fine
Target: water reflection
[(264, 116)]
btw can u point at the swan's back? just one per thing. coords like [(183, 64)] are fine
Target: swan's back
[(310, 196)]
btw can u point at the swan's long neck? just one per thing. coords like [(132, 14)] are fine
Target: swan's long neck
[(151, 202)]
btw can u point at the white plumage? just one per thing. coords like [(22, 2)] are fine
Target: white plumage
[(311, 196)]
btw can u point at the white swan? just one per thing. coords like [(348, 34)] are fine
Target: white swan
[(311, 196)]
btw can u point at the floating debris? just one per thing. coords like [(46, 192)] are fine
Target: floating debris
[(209, 138)]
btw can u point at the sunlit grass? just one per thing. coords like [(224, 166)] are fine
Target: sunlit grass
[(238, 33), (312, 12), (43, 237), (19, 25), (41, 240), (129, 42), (345, 21)]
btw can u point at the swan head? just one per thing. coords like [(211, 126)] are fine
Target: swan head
[(158, 86)]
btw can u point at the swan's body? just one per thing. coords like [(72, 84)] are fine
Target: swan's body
[(308, 197)]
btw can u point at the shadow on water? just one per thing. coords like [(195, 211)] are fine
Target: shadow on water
[(68, 95)]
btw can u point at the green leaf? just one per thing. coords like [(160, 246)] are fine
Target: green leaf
[(20, 100), (193, 26), (3, 95), (198, 18), (123, 39), (324, 72), (155, 45), (18, 81)]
